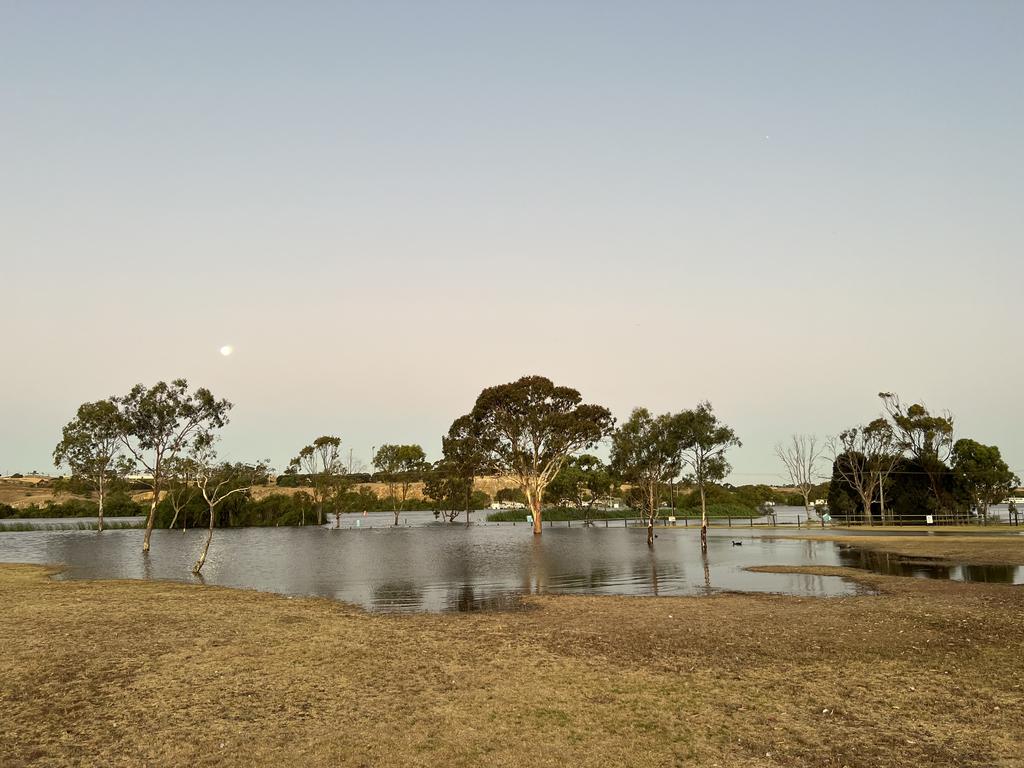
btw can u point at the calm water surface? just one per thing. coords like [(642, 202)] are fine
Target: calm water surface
[(456, 567)]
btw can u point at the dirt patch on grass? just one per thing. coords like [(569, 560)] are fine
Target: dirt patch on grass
[(120, 673)]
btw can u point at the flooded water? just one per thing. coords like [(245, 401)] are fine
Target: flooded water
[(898, 565), (442, 567)]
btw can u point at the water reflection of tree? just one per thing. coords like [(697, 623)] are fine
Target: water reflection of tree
[(468, 599), (397, 594), (1000, 574), (889, 564), (535, 576)]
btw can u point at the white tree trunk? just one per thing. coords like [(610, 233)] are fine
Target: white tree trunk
[(206, 548)]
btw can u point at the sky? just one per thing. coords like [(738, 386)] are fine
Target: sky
[(384, 207)]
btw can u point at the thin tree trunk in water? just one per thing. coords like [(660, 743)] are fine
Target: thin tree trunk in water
[(652, 512), (99, 526), (396, 516), (149, 523), (535, 508), (703, 521), (202, 557)]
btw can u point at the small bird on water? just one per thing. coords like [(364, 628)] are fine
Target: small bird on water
[(737, 543)]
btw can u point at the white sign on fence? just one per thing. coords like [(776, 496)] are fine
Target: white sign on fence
[(929, 519)]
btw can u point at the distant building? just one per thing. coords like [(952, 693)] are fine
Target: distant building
[(507, 505)]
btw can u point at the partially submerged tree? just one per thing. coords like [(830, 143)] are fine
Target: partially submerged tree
[(581, 482), (983, 474), (464, 459), (449, 491), (182, 486), (218, 481), (646, 454), (91, 449), (402, 465), (801, 457), (528, 428), (159, 422), (321, 462), (863, 457), (704, 441)]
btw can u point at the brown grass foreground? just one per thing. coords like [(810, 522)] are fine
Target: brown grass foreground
[(119, 673)]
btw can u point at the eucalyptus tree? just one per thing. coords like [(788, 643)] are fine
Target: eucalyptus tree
[(321, 462), (646, 454), (182, 487), (582, 481), (925, 436), (219, 481), (402, 465), (465, 457), (528, 429), (801, 457), (863, 457), (703, 441), (449, 490), (90, 447), (983, 474), (159, 422)]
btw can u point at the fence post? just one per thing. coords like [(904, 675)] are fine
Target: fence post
[(798, 521)]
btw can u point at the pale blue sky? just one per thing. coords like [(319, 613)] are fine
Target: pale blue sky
[(781, 207)]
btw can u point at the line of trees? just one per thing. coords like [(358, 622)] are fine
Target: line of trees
[(539, 435), (907, 464)]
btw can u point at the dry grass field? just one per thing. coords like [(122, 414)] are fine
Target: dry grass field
[(21, 492), (117, 673)]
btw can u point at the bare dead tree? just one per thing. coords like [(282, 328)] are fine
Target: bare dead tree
[(801, 456), (863, 457)]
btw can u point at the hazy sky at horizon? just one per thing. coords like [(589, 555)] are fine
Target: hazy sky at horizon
[(385, 207)]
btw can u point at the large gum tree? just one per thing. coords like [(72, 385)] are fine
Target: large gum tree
[(159, 422), (528, 428)]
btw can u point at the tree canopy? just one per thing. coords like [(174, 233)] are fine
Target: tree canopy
[(160, 421), (529, 427), (646, 453)]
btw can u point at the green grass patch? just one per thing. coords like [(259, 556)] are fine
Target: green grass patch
[(557, 514), (716, 511)]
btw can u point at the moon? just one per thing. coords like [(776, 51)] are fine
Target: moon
[(226, 350)]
